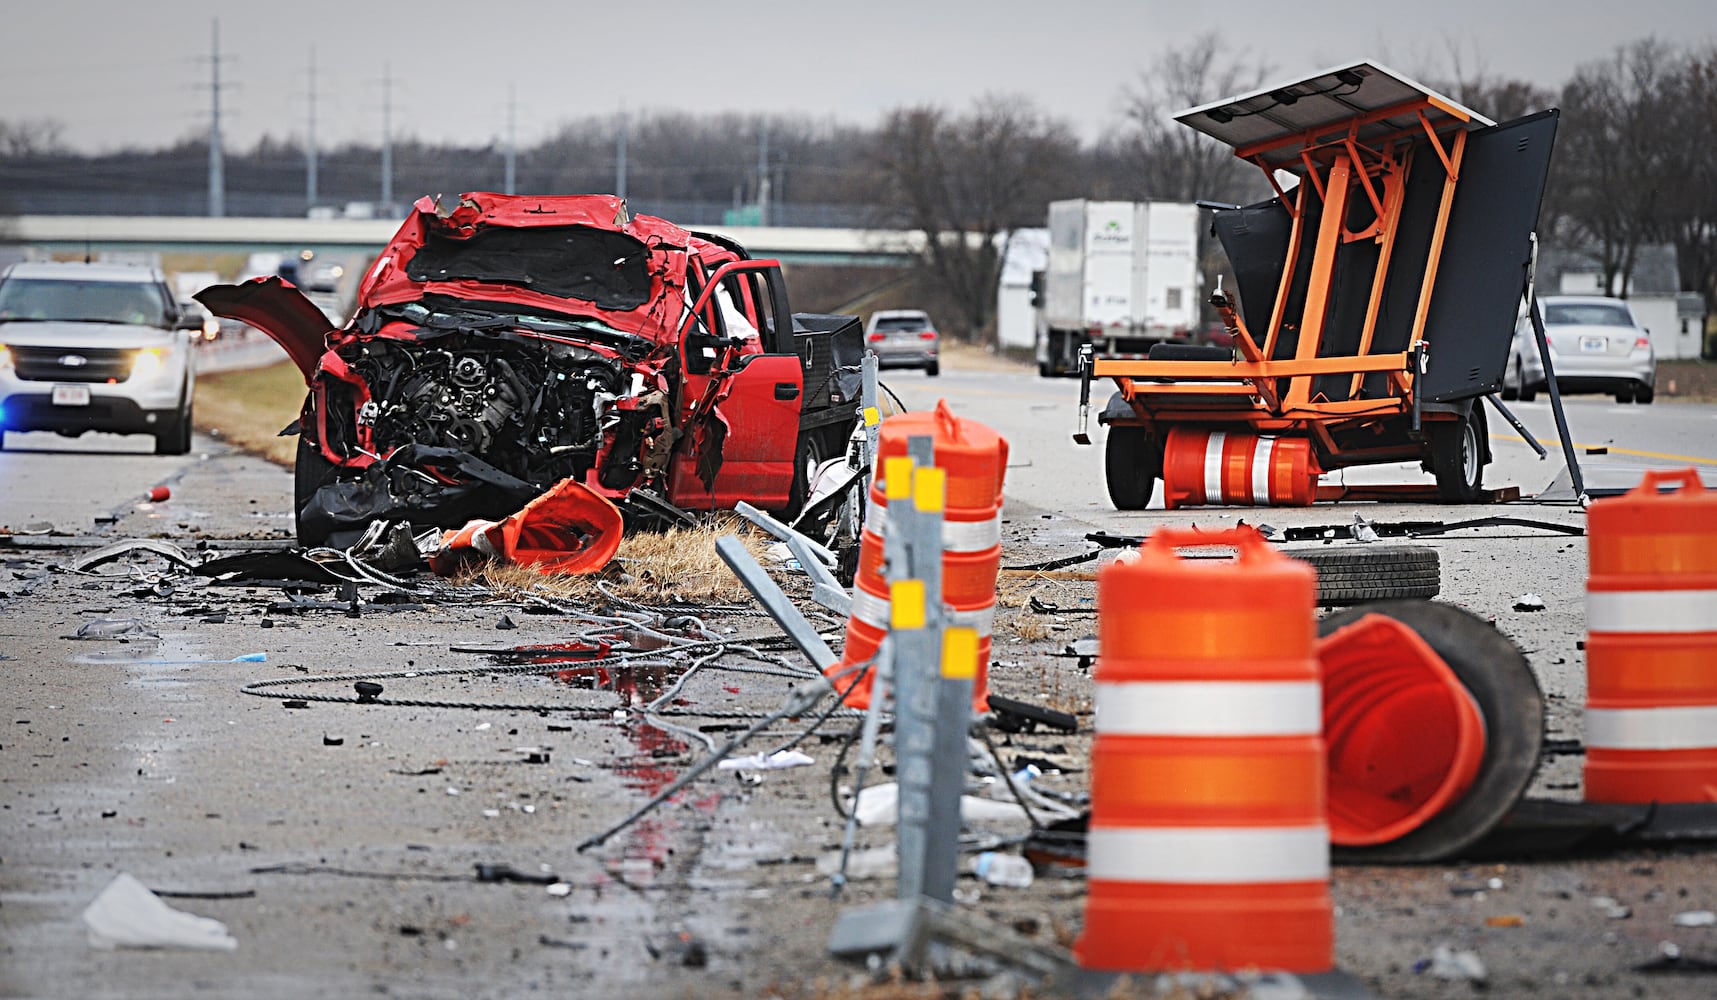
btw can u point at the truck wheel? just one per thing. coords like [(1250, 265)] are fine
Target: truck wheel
[(1353, 574), (806, 457), (1044, 370), (1132, 464), (310, 472), (1457, 456)]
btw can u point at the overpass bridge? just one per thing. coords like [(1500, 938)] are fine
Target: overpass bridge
[(197, 234)]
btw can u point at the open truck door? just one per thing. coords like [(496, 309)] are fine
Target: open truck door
[(742, 393)]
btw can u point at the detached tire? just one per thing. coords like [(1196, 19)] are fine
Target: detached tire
[(1457, 456), (1353, 574), (1132, 464), (1495, 672), (310, 472)]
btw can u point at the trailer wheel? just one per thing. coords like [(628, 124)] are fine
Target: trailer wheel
[(1457, 456), (1353, 574), (1132, 464)]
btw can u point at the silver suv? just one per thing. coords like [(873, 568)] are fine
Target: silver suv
[(95, 347)]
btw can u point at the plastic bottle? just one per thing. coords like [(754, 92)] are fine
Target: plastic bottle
[(1003, 869)]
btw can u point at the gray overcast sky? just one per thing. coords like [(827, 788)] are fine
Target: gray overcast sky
[(128, 73)]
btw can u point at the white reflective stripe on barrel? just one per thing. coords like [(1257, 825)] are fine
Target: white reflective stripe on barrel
[(1651, 611), (957, 536), (1263, 461), (1210, 708), (874, 611), (1221, 855), (1213, 467), (1683, 728)]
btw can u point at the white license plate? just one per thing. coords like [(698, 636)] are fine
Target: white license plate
[(1593, 345), (71, 395)]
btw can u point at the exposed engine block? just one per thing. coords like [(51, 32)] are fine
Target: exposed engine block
[(534, 410)]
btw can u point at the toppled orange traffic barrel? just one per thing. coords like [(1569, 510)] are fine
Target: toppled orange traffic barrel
[(1208, 847), (571, 530), (975, 459), (1404, 736), (1236, 468), (1651, 643)]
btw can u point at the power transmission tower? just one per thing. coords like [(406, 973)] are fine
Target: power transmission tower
[(512, 139), (620, 156), (387, 138), (217, 162), (310, 192), (763, 171)]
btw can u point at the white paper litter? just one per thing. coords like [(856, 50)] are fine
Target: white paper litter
[(879, 805), (128, 915), (760, 761)]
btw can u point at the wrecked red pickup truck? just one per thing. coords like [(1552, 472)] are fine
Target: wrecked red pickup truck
[(503, 343)]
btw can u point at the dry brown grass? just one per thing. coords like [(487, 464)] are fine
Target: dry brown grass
[(248, 408), (672, 567)]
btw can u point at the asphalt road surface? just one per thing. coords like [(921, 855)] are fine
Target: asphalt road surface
[(337, 841)]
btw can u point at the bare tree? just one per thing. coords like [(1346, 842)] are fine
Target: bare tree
[(1614, 152), (1688, 216), (964, 179), (31, 137), (1168, 161)]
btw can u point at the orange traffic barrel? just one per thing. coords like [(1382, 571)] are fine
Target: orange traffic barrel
[(1651, 643), (1208, 846), (1404, 736), (975, 459), (1235, 468)]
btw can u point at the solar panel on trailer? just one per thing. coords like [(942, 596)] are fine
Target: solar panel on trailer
[(1321, 104)]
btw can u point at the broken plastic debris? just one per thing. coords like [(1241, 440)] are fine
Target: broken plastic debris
[(879, 805), (245, 658), (559, 889), (1696, 918), (1612, 908), (127, 915), (1446, 963), (108, 553), (1529, 602), (877, 862), (1362, 530), (113, 628), (760, 761)]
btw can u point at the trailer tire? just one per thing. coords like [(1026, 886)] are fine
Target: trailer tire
[(1132, 464), (1496, 674), (1458, 456), (1354, 574)]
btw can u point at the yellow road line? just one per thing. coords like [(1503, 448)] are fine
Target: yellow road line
[(1666, 456)]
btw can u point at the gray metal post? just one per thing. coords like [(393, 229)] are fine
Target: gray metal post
[(872, 414), (940, 703)]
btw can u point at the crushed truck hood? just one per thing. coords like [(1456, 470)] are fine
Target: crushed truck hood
[(278, 309)]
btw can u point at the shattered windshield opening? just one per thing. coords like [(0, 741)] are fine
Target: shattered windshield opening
[(439, 315), (609, 270)]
